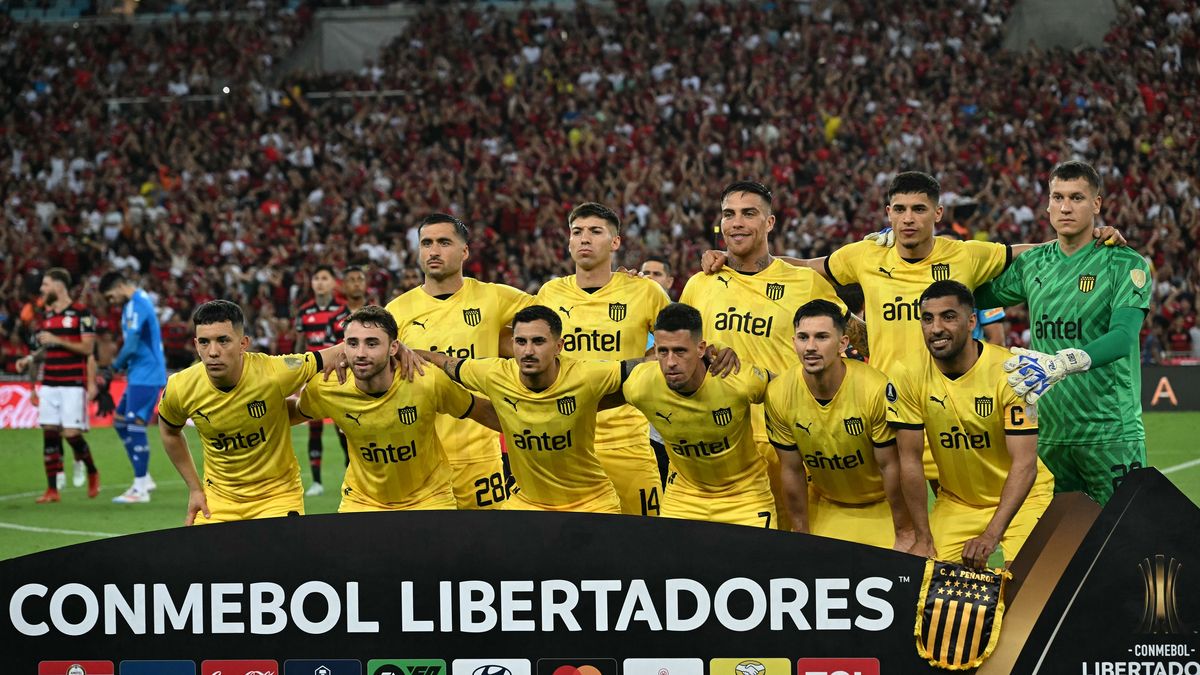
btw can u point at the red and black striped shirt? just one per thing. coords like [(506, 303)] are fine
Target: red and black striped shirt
[(65, 368), (321, 326)]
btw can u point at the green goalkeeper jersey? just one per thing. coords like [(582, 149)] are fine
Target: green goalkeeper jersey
[(1071, 302)]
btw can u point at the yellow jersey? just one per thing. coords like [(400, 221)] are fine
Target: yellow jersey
[(708, 434), (465, 325), (837, 439), (752, 313), (550, 434), (610, 323), (892, 287), (965, 421), (245, 432), (396, 456)]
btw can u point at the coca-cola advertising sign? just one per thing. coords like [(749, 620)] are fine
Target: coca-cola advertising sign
[(18, 410)]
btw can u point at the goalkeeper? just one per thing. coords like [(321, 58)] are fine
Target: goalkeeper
[(1086, 307)]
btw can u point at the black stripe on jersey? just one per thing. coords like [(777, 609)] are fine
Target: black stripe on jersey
[(1008, 258), (1020, 432), (781, 446), (829, 273), (320, 361), (469, 409), (301, 411), (902, 425), (626, 370), (884, 445), (169, 422), (457, 370)]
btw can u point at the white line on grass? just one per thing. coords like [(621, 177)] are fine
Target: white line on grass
[(20, 495), (1181, 467), (51, 530), (23, 495)]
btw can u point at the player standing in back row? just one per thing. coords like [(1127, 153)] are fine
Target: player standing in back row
[(1086, 307), (142, 356), (462, 318), (749, 303), (319, 325), (609, 317)]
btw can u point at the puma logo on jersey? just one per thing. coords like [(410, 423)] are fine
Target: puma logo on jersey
[(200, 413), (806, 429), (1037, 280), (566, 310), (665, 417), (346, 490), (941, 401), (723, 280), (418, 323), (887, 272), (348, 415), (511, 402)]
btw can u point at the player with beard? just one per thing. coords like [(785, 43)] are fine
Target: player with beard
[(993, 488), (459, 317), (547, 408), (750, 301), (608, 317), (66, 337), (827, 416), (399, 461)]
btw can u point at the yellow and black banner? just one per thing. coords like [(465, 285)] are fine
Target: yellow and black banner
[(958, 614)]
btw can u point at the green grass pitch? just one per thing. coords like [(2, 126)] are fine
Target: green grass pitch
[(26, 527)]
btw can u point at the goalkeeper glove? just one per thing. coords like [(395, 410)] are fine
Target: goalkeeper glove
[(105, 405), (885, 237), (1033, 373)]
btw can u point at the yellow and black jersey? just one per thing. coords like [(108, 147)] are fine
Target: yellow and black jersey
[(550, 433), (395, 452), (892, 287), (965, 420), (709, 433), (465, 325), (245, 431), (608, 323)]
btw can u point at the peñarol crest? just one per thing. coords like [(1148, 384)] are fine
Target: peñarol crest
[(1087, 282), (616, 311), (958, 614), (775, 291)]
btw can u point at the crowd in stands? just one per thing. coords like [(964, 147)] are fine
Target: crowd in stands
[(507, 119)]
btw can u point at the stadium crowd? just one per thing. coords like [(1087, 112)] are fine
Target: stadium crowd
[(509, 119)]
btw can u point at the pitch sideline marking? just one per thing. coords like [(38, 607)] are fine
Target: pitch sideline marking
[(1180, 467), (51, 530)]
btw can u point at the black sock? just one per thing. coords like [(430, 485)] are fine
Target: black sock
[(314, 448), (83, 452), (52, 456)]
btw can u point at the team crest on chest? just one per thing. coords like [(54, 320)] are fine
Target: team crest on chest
[(722, 416), (774, 291), (256, 409), (566, 405), (854, 426), (940, 271), (983, 405), (407, 414), (616, 311), (472, 316), (1087, 282)]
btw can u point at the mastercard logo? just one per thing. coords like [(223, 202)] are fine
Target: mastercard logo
[(577, 670)]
